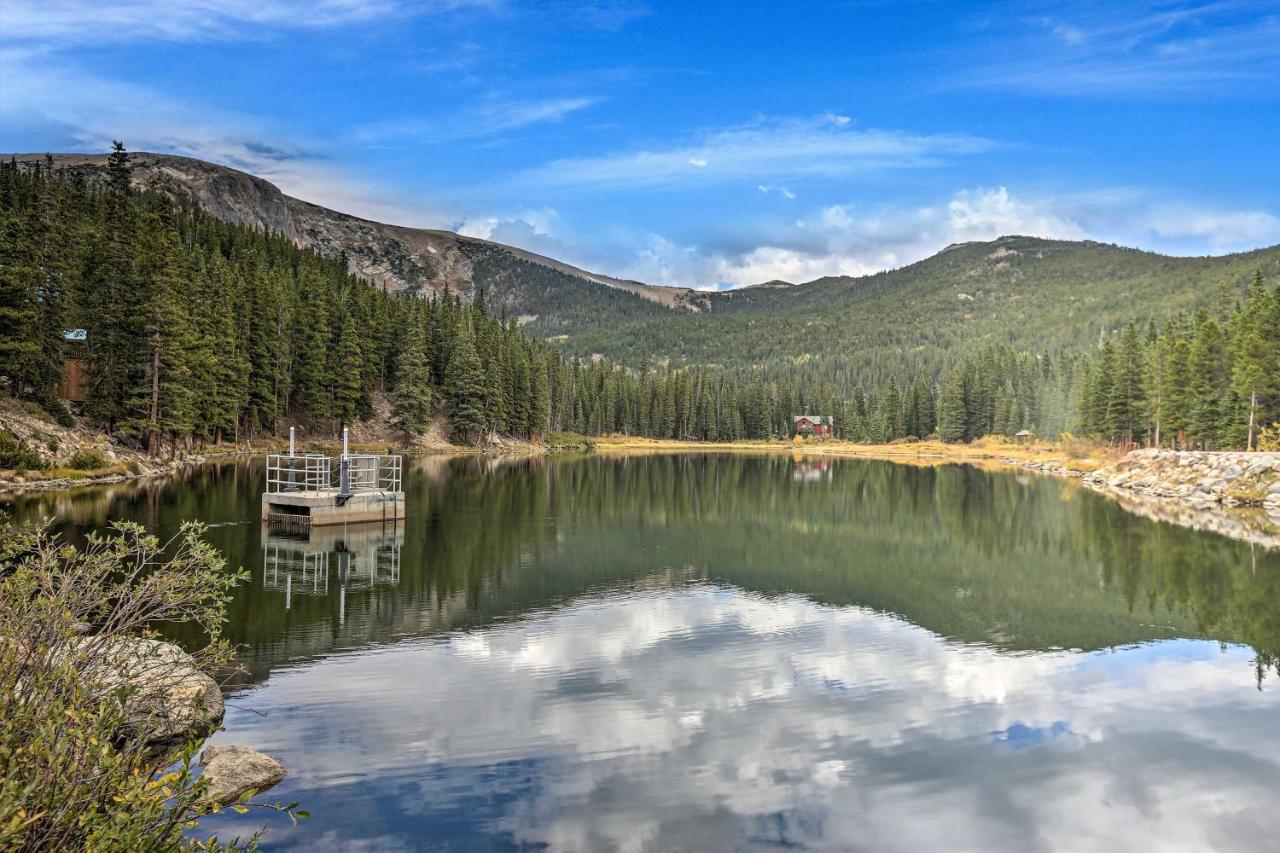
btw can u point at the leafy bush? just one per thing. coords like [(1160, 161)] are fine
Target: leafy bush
[(15, 454), (74, 774), (1269, 438), (1077, 447), (88, 459)]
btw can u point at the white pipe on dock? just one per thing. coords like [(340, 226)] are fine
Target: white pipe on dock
[(291, 440)]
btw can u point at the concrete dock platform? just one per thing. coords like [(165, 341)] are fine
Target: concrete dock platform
[(324, 506)]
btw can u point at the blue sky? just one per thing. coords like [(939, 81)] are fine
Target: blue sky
[(701, 144)]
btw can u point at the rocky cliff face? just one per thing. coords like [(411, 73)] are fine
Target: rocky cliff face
[(399, 258)]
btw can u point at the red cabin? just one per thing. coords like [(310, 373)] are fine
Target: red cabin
[(818, 426)]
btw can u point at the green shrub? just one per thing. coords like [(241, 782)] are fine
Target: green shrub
[(57, 409), (53, 444), (567, 441), (73, 774), (15, 454), (88, 459)]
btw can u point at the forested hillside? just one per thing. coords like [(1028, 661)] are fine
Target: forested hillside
[(1022, 292), (199, 329), (1029, 294)]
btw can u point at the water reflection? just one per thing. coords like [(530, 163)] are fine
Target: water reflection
[(725, 652), (356, 555), (701, 717)]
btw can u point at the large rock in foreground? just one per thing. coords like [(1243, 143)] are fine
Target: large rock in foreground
[(172, 699), (233, 770)]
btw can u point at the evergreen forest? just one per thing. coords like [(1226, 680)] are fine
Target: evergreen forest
[(198, 331)]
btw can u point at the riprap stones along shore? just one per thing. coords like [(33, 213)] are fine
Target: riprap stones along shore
[(1231, 493), (1199, 477)]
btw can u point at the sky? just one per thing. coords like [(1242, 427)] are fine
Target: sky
[(702, 144)]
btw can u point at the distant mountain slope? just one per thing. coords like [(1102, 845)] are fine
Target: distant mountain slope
[(1026, 292), (401, 258)]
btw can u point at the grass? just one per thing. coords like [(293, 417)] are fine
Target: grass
[(991, 450)]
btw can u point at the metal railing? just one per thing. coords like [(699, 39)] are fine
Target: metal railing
[(309, 472), (365, 472)]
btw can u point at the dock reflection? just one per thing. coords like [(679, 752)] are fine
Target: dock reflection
[(342, 558)]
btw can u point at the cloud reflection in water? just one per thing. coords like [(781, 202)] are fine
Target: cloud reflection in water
[(704, 717)]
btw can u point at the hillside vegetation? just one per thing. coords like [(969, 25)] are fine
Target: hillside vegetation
[(205, 325), (1022, 292)]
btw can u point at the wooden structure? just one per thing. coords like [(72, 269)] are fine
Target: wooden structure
[(71, 386), (312, 489), (818, 426)]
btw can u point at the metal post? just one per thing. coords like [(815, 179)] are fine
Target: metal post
[(344, 467), (291, 441)]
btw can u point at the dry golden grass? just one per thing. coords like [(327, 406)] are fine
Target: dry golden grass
[(992, 451)]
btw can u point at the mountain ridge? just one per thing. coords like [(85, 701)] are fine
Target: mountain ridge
[(1025, 292), (423, 260)]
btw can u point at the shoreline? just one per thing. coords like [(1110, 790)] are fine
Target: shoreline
[(1091, 466)]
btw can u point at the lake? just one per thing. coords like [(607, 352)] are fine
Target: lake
[(731, 652)]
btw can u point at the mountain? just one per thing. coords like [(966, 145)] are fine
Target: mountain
[(397, 257), (1024, 292)]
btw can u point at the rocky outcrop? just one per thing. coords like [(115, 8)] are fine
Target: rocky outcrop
[(400, 258), (1230, 479), (232, 771)]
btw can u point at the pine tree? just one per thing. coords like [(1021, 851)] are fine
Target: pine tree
[(411, 400), (952, 414), (107, 298), (19, 309), (159, 400), (348, 381), (464, 387), (1126, 401), (1208, 380)]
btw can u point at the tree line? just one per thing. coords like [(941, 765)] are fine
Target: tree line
[(1208, 381), (199, 330)]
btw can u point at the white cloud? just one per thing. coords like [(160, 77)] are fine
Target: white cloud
[(535, 230), (1132, 48), (765, 149), (487, 119), (846, 240), (97, 21), (1217, 228), (92, 111), (849, 239), (780, 190), (987, 214)]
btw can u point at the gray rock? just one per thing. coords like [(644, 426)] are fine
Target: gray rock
[(172, 699), (233, 770)]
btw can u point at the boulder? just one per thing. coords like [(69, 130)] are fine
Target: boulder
[(172, 699), (233, 770)]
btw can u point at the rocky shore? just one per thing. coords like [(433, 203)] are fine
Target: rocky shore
[(1200, 478), (1234, 494)]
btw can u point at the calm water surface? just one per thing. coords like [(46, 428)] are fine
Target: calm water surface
[(736, 653)]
